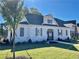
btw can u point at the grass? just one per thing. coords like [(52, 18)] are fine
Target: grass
[(42, 51)]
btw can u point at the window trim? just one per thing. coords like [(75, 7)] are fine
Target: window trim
[(60, 32), (66, 32), (49, 21), (38, 31), (21, 32)]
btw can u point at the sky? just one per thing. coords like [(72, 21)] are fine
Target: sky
[(62, 9)]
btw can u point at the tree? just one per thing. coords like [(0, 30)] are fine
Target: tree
[(26, 10), (35, 11), (12, 12), (1, 30)]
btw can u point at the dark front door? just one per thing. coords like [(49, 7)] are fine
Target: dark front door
[(50, 34)]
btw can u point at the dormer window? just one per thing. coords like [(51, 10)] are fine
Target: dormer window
[(49, 21)]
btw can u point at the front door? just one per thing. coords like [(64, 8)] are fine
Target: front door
[(50, 34)]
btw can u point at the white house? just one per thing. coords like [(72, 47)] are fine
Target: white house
[(39, 28)]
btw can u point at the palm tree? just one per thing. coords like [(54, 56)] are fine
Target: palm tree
[(12, 12)]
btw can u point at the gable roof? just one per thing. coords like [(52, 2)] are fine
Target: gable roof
[(24, 21), (38, 20)]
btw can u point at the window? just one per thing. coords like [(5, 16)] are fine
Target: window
[(41, 31), (38, 31), (59, 32), (21, 32), (66, 32), (50, 21)]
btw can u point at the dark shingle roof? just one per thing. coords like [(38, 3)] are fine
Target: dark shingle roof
[(34, 19), (49, 25), (24, 22), (60, 22), (71, 21), (38, 20)]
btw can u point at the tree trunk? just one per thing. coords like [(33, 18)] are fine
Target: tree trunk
[(14, 43), (11, 37)]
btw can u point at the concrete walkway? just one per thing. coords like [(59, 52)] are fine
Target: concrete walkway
[(66, 43)]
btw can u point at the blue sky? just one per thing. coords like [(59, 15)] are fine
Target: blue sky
[(62, 9)]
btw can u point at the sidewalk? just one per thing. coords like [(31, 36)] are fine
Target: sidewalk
[(66, 43)]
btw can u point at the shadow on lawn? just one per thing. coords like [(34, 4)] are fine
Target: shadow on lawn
[(28, 46), (5, 46)]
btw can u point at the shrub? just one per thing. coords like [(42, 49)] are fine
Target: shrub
[(44, 41), (24, 42), (29, 41), (36, 42), (66, 40), (18, 43), (47, 39), (59, 39)]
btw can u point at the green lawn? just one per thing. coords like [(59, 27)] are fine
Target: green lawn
[(42, 51)]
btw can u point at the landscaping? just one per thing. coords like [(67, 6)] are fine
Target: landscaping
[(42, 51)]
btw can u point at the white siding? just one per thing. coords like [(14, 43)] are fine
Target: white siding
[(72, 26), (26, 34), (29, 33)]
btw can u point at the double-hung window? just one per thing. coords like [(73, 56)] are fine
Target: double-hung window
[(21, 32), (66, 32), (59, 32), (38, 31)]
